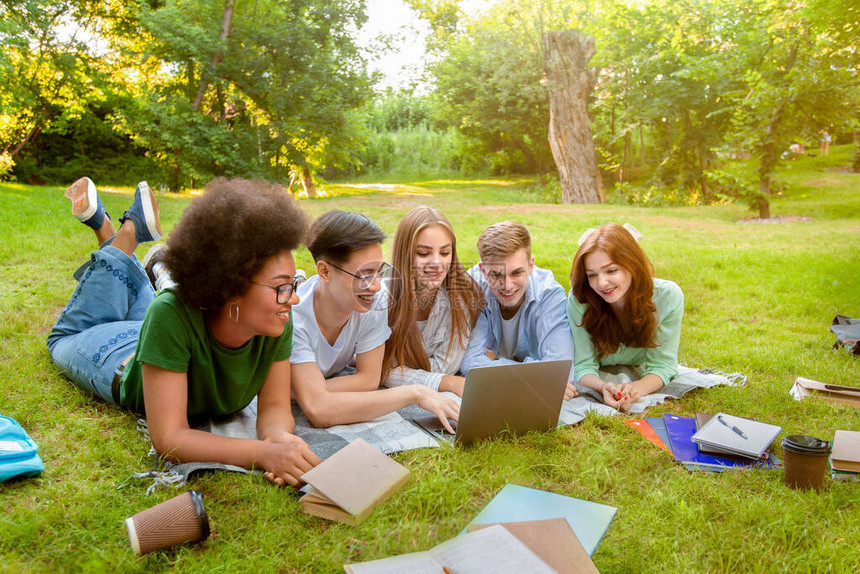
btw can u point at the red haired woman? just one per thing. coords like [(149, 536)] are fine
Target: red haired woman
[(620, 314), (434, 305)]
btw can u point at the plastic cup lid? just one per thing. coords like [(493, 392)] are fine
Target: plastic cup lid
[(805, 444)]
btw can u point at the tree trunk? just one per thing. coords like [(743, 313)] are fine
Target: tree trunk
[(37, 129), (307, 182), (570, 81), (769, 149), (292, 184), (764, 198), (628, 150), (769, 158), (703, 177), (173, 177), (226, 22)]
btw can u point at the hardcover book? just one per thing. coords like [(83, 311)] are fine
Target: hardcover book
[(348, 485), (514, 503), (846, 451)]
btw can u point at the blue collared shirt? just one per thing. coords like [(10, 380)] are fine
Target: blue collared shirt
[(543, 332)]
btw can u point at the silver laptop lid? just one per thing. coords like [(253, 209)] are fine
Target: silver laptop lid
[(518, 397)]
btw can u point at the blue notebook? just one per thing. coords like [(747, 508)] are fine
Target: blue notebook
[(681, 431), (589, 520)]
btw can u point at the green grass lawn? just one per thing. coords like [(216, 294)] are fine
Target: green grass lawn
[(759, 300)]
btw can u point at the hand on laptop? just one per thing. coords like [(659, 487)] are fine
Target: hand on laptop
[(439, 405)]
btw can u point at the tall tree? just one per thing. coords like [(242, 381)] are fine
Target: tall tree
[(799, 77), (570, 81), (257, 88), (489, 87)]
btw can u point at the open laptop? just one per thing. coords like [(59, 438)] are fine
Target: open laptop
[(516, 398)]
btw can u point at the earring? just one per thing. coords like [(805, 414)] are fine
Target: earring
[(233, 305)]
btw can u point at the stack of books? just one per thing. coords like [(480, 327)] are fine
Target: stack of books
[(711, 442), (845, 456)]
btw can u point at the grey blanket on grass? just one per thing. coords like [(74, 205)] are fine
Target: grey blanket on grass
[(394, 432)]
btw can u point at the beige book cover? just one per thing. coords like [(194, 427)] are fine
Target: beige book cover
[(350, 483), (846, 451), (554, 541)]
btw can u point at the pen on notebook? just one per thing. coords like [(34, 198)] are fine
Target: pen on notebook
[(734, 428)]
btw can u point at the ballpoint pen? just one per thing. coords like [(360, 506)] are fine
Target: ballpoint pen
[(734, 428)]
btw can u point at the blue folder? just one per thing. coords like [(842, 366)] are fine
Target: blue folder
[(659, 426), (589, 520)]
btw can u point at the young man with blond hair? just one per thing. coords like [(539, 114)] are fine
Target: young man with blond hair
[(525, 317)]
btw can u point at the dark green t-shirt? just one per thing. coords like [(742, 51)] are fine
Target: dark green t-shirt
[(176, 337)]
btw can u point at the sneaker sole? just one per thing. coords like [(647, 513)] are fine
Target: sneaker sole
[(147, 262), (152, 252), (84, 198), (150, 211)]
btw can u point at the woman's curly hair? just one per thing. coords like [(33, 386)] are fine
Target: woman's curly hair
[(227, 235)]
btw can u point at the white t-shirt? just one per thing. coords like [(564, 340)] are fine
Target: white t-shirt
[(363, 332), (510, 336)]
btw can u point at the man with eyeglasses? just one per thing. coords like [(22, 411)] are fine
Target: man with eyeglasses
[(341, 326)]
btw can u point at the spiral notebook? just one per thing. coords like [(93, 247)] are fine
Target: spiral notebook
[(736, 435)]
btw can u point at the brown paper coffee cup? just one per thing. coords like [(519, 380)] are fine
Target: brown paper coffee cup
[(805, 461), (180, 520)]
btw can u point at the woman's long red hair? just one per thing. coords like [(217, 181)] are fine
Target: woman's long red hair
[(599, 320)]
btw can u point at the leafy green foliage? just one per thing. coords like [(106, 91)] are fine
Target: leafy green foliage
[(49, 75), (255, 89), (489, 87), (282, 90)]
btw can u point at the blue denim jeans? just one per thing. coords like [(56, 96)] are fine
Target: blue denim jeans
[(100, 325)]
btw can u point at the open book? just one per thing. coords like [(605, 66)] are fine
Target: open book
[(349, 484), (554, 541), (487, 551)]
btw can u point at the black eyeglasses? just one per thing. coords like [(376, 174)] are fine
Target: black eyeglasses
[(284, 291), (365, 280)]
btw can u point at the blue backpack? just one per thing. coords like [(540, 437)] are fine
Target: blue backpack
[(18, 455)]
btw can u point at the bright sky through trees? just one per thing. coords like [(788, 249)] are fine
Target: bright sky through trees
[(403, 64)]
